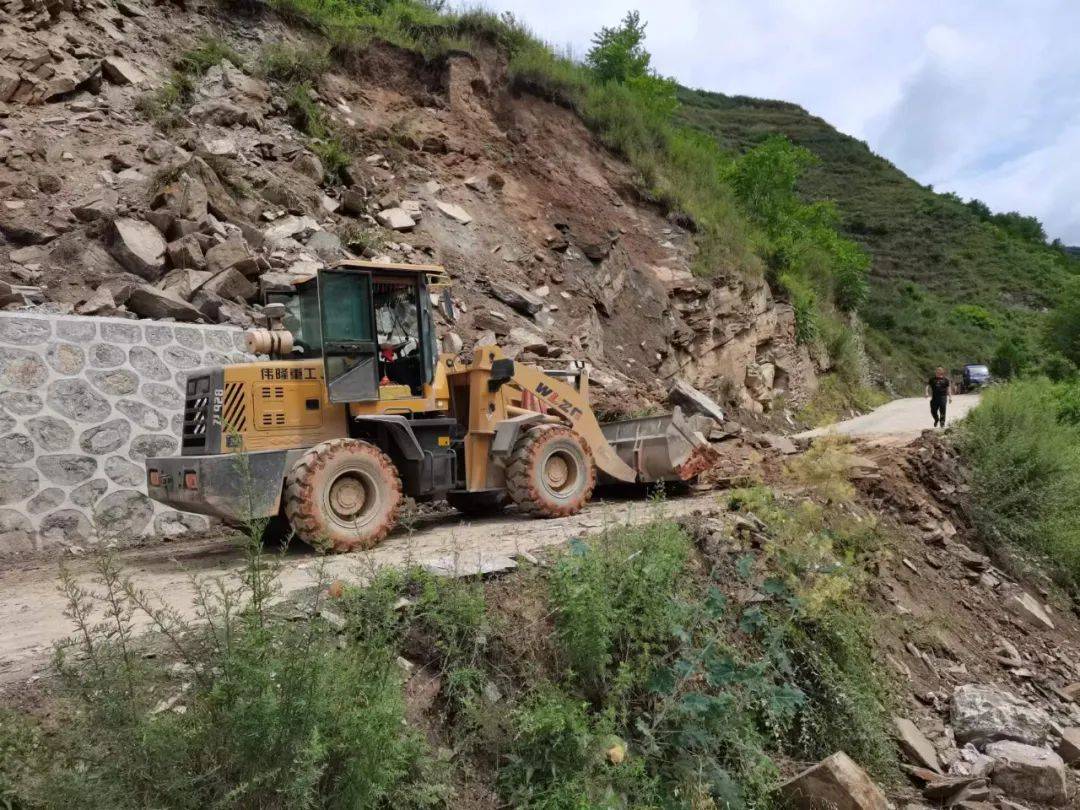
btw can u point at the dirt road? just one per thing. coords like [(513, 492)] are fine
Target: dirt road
[(901, 419), (32, 608)]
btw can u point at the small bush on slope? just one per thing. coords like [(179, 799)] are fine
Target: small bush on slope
[(1023, 445)]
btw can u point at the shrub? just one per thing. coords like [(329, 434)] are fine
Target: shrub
[(1063, 326), (975, 315), (276, 713), (1011, 358), (845, 694), (207, 54), (615, 601), (161, 105), (1024, 451)]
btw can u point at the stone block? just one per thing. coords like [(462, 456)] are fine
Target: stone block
[(1028, 773), (139, 247), (837, 783), (984, 714)]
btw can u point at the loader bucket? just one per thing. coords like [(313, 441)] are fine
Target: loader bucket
[(669, 447)]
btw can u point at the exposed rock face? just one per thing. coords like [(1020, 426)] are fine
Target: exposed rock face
[(837, 783), (984, 714), (734, 332), (1028, 773)]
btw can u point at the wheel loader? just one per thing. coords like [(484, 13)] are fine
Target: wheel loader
[(356, 408)]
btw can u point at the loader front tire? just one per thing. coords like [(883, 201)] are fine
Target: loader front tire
[(551, 472), (343, 495)]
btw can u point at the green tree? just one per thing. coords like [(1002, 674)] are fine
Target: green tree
[(618, 54), (1063, 325), (1010, 359), (801, 239)]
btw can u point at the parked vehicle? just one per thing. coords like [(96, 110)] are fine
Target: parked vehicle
[(974, 377)]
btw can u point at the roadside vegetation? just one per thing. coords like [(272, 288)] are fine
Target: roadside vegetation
[(629, 670), (1023, 445), (951, 282)]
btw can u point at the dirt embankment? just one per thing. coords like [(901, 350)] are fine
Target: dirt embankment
[(551, 249)]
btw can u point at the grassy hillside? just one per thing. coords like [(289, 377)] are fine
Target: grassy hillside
[(949, 281)]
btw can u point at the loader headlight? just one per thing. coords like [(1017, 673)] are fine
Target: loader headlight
[(191, 479), (154, 477)]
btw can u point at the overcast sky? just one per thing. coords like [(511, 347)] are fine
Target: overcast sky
[(980, 97)]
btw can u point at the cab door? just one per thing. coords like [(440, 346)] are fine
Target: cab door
[(350, 351)]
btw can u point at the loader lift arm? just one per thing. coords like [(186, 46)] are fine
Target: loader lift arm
[(572, 405)]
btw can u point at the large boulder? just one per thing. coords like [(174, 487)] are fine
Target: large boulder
[(186, 252), (918, 749), (186, 197), (138, 246), (183, 283), (455, 212), (396, 219), (150, 302), (233, 253), (120, 71), (1027, 772), (836, 783), (694, 401), (232, 284), (985, 714), (1026, 607), (1069, 747), (517, 297)]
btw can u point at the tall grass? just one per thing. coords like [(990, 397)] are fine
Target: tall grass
[(1024, 450)]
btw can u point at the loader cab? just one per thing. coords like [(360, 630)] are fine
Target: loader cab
[(372, 324)]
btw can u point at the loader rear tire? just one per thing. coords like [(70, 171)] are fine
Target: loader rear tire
[(551, 472), (343, 495)]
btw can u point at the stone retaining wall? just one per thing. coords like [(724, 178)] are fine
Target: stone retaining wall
[(83, 401)]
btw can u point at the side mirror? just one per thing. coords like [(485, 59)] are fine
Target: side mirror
[(446, 306)]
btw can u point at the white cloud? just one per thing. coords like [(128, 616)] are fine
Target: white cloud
[(977, 96)]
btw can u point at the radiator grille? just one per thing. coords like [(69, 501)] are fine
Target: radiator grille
[(234, 408), (196, 412)]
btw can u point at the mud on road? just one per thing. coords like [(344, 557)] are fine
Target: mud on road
[(32, 606)]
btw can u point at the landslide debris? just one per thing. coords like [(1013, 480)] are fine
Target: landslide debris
[(162, 161)]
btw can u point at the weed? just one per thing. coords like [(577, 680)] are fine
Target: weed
[(846, 695), (293, 65), (310, 118), (1024, 451), (209, 53), (614, 601), (162, 104), (248, 707)]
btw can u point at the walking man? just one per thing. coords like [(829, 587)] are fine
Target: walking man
[(939, 389)]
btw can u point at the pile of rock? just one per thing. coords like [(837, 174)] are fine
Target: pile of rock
[(194, 257), (996, 748)]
